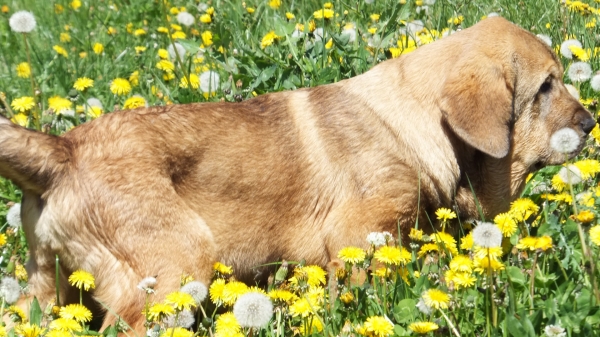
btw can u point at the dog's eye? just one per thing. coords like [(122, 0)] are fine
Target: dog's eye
[(546, 86)]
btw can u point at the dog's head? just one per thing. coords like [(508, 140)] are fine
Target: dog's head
[(506, 97)]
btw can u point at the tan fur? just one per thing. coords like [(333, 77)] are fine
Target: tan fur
[(164, 191)]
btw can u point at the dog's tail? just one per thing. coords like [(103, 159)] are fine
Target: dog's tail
[(29, 158)]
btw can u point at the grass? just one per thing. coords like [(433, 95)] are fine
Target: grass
[(543, 277)]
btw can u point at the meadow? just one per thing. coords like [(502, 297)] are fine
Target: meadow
[(79, 59)]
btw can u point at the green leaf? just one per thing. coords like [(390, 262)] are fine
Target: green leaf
[(405, 311), (516, 276), (35, 312)]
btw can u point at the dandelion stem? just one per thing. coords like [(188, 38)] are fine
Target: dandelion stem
[(452, 327), (36, 114), (56, 280), (532, 283), (3, 100)]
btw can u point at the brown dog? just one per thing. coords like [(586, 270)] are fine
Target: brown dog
[(169, 190)]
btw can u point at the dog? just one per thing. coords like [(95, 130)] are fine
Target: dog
[(164, 191)]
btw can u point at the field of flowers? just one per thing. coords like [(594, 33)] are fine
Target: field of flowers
[(532, 271)]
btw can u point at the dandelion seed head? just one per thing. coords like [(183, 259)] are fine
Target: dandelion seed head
[(595, 82), (570, 174), (180, 50), (185, 19), (350, 31), (318, 33), (22, 22), (554, 331), (10, 289), (253, 310), (545, 38), (493, 15), (209, 81), (184, 319), (579, 72), (423, 307), (378, 239), (13, 216), (487, 235), (565, 140), (197, 289), (147, 283), (564, 48)]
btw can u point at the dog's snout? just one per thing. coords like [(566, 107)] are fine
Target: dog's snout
[(587, 124)]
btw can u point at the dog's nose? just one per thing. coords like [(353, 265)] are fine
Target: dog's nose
[(587, 124)]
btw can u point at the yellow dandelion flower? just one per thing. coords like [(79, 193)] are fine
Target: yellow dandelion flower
[(163, 30), (428, 248), (415, 234), (374, 17), (94, 112), (461, 263), (282, 295), (324, 14), (250, 10), (382, 272), (98, 48), (595, 235), (60, 51), (268, 39), (329, 44), (544, 243), (134, 78), (139, 49), (83, 83), (446, 242), (178, 35), (177, 332), (165, 65), (314, 275), (29, 330), (304, 308), (463, 280), (435, 298), (422, 328), (76, 312), (23, 70), (445, 214), (139, 32), (205, 18), (275, 4), (59, 104), (528, 242), (347, 297), (379, 326), (180, 300), (2, 328), (392, 255), (506, 223), (482, 264), (120, 86), (494, 253), (207, 38), (372, 30), (65, 324), (183, 83), (585, 216), (222, 269), (16, 314), (2, 239), (65, 37), (20, 272), (466, 242), (134, 102), (456, 20), (111, 31), (289, 16), (352, 255), (81, 279), (75, 4), (588, 167), (232, 291), (523, 208), (157, 312), (226, 325)]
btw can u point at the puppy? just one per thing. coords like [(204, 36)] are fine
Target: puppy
[(164, 191)]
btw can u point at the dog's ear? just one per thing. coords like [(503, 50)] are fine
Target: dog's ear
[(477, 103)]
